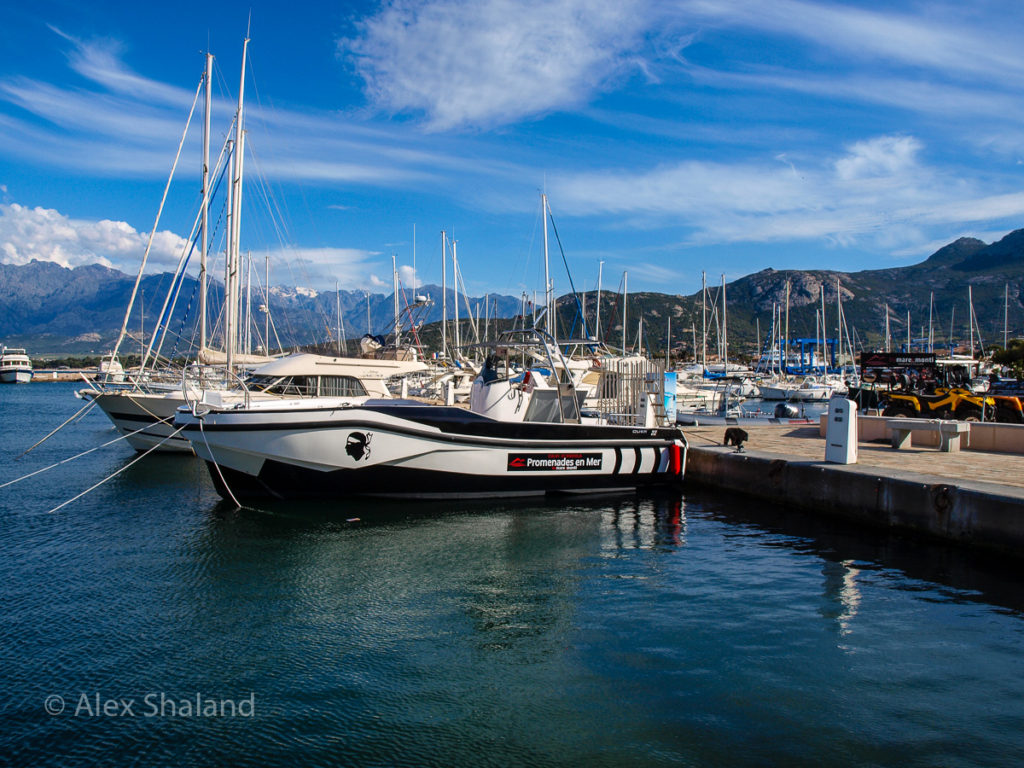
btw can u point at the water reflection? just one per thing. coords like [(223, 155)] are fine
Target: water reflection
[(841, 592), (849, 550), (646, 523)]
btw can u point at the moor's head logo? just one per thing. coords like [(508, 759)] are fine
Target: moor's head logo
[(357, 445)]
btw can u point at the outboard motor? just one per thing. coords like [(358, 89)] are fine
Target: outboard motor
[(786, 411)]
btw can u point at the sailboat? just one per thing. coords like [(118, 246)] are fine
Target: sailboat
[(144, 410)]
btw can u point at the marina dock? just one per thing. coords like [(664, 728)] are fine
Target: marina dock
[(973, 497), (63, 374)]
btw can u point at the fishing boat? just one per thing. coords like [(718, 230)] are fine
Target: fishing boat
[(524, 434), (15, 366)]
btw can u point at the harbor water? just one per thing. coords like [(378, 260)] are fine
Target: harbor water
[(148, 623)]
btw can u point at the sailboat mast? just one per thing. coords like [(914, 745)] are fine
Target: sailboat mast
[(824, 333), (398, 319), (970, 316), (337, 314), (229, 323), (547, 274), (725, 334), (931, 328), (668, 342), (625, 295), (248, 304), (236, 224), (785, 364), (1006, 313), (597, 321), (444, 296), (266, 295), (703, 323), (887, 328), (455, 280), (206, 204)]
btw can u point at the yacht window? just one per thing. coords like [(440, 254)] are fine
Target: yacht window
[(341, 386), (289, 386)]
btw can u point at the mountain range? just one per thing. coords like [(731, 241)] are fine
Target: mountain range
[(51, 309)]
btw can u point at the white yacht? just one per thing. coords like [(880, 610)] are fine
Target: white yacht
[(15, 366), (146, 417)]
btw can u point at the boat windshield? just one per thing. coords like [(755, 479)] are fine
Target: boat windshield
[(308, 386)]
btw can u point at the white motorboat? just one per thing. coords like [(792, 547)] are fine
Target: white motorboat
[(809, 389), (146, 417), (15, 366), (524, 434)]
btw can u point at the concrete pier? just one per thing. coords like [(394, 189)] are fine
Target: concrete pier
[(63, 374), (972, 498)]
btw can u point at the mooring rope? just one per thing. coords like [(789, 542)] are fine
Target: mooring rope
[(81, 412), (84, 453), (115, 474), (215, 464)]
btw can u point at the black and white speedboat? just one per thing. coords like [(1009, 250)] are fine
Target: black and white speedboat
[(333, 448)]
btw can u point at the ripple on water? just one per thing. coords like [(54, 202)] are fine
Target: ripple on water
[(611, 632)]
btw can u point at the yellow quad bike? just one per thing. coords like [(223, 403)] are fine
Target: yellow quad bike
[(945, 403)]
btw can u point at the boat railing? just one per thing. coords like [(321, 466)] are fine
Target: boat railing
[(198, 381), (632, 393)]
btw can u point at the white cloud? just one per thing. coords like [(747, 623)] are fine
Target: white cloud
[(407, 276), (47, 235), (489, 62), (321, 267), (881, 156)]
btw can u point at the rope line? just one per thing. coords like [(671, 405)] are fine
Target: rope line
[(215, 464), (115, 474), (81, 412), (84, 453)]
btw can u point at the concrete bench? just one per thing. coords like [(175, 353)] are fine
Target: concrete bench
[(949, 432)]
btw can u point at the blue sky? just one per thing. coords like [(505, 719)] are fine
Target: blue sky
[(671, 137)]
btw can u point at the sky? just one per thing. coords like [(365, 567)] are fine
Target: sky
[(671, 137)]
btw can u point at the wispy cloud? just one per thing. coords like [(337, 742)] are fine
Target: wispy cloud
[(483, 63), (875, 188), (956, 45), (129, 125), (321, 267)]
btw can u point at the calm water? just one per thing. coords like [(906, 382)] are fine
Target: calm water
[(703, 631)]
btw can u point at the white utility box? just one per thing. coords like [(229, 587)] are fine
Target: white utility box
[(841, 432)]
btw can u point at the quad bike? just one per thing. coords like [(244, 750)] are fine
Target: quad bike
[(945, 403), (1009, 409)]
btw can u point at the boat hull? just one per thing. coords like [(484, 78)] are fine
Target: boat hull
[(145, 419), (15, 377), (423, 452)]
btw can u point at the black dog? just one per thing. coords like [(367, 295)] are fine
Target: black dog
[(736, 436)]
